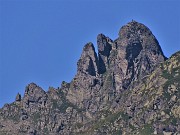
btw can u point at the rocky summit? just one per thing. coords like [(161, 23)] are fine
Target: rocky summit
[(127, 88)]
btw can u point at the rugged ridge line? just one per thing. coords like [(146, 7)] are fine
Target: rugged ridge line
[(127, 87)]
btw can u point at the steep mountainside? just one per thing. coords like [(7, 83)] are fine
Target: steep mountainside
[(128, 88)]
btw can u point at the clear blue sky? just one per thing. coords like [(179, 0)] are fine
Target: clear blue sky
[(41, 40)]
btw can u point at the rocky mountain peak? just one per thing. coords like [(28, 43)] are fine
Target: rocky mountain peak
[(134, 28), (138, 52), (33, 88), (134, 33), (104, 44), (88, 49), (128, 88), (133, 55), (34, 95)]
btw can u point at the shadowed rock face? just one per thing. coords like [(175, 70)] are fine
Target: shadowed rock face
[(18, 97), (104, 48), (88, 63), (127, 88)]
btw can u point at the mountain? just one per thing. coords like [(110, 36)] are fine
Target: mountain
[(129, 87)]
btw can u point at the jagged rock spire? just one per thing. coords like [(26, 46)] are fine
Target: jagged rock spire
[(104, 47), (34, 95), (133, 55), (88, 62), (18, 97)]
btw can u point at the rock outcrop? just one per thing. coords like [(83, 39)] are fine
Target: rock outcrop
[(88, 63), (18, 97), (34, 96), (128, 87)]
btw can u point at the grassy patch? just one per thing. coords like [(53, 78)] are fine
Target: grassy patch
[(35, 117), (45, 131), (174, 121), (118, 132), (3, 133), (171, 79), (79, 125), (110, 119), (167, 111), (108, 82), (132, 127), (146, 130), (167, 95), (166, 74), (65, 104)]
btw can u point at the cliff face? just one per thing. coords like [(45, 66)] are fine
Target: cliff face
[(126, 88)]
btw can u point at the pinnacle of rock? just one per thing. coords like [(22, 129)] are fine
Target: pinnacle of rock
[(18, 97), (87, 64), (34, 95), (104, 47)]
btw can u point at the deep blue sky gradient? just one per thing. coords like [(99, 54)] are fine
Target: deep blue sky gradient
[(41, 41)]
